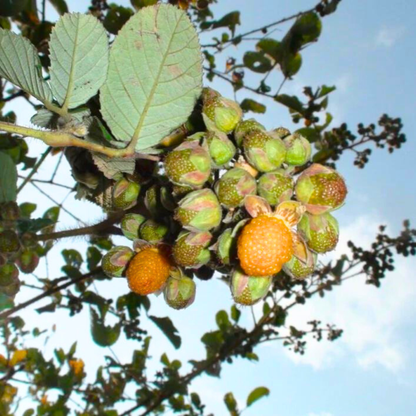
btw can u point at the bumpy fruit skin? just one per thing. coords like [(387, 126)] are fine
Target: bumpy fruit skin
[(298, 150), (320, 189), (264, 245), (221, 148), (130, 225), (263, 151), (199, 210), (148, 271), (244, 127), (219, 113), (190, 249), (248, 290), (115, 261), (179, 293), (276, 187), (27, 261), (299, 270), (234, 186), (9, 211), (125, 194), (153, 232), (321, 232), (188, 164), (9, 242), (280, 132)]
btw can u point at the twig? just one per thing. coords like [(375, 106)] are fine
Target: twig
[(48, 292), (35, 168)]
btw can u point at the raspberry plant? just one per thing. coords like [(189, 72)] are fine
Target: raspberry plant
[(197, 189)]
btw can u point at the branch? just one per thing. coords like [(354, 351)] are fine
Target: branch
[(47, 293), (64, 139), (103, 227), (35, 168), (261, 29)]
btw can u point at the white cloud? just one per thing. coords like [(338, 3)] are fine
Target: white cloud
[(388, 36), (371, 318)]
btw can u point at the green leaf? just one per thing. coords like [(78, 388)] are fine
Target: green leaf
[(252, 105), (230, 402), (138, 4), (257, 62), (154, 77), (116, 18), (257, 394), (235, 313), (11, 7), (222, 320), (27, 209), (271, 47), (45, 119), (103, 335), (6, 302), (290, 101), (325, 90), (306, 29), (8, 178), (167, 327), (79, 59), (60, 6), (20, 64), (309, 133), (94, 257), (72, 257), (52, 214), (230, 20)]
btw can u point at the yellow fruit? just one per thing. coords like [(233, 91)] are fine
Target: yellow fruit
[(264, 246), (148, 271)]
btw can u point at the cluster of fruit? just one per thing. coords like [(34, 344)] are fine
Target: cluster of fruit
[(17, 250), (232, 209)]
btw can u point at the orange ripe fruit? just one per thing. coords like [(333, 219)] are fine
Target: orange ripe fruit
[(148, 271), (264, 246)]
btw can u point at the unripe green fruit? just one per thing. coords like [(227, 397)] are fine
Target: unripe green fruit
[(321, 232), (219, 113), (125, 194), (179, 292), (264, 152), (190, 249), (8, 274), (115, 262), (248, 290), (298, 150), (299, 270), (188, 164), (320, 189), (276, 187), (27, 261), (234, 186), (224, 246), (153, 232), (199, 210), (9, 242), (280, 132), (221, 148), (130, 225), (244, 127), (9, 211)]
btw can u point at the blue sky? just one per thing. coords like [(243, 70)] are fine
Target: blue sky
[(367, 50)]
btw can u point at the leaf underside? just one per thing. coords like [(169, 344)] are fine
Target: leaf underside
[(154, 78), (79, 59), (20, 64)]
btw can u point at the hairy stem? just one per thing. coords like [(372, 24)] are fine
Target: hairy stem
[(64, 139), (103, 227)]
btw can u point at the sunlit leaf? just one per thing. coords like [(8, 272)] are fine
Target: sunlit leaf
[(257, 394), (154, 77), (79, 58)]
